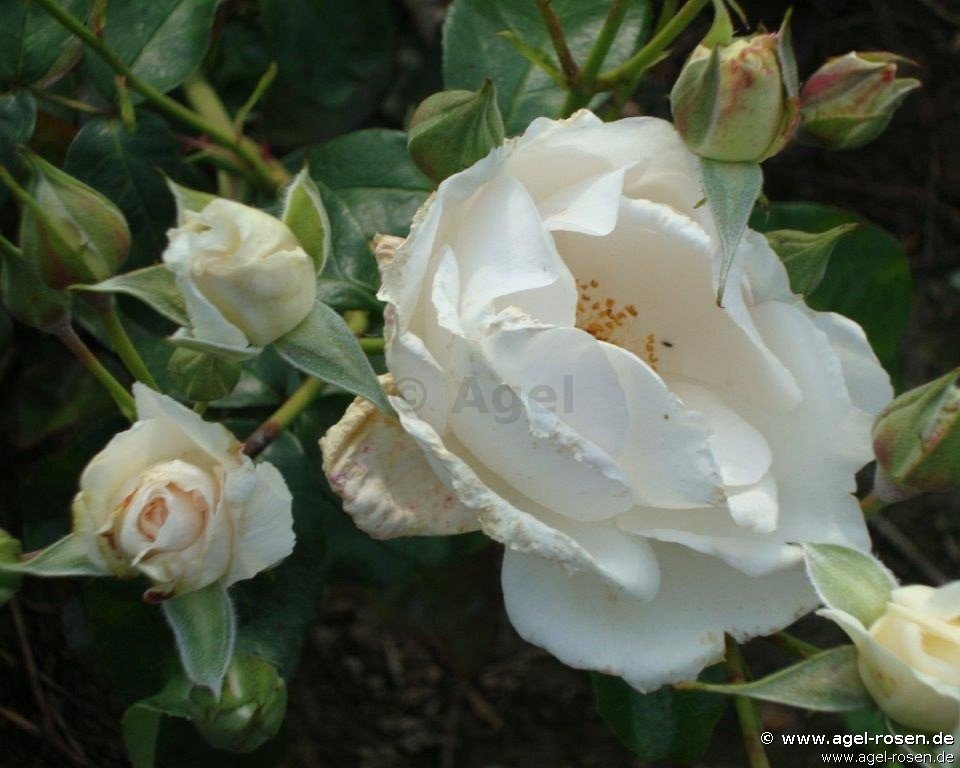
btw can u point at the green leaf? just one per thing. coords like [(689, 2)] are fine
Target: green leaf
[(126, 169), (31, 41), (188, 199), (163, 41), (849, 580), (827, 682), (666, 725), (304, 213), (154, 286), (868, 278), (806, 254), (325, 348), (369, 185), (732, 190), (18, 117), (335, 59), (205, 629), (474, 50), (202, 377), (65, 557), (184, 338), (141, 721)]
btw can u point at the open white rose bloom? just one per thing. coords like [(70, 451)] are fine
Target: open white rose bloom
[(242, 272), (174, 498), (909, 658), (652, 508)]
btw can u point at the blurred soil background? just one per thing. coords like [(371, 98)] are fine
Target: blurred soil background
[(427, 672)]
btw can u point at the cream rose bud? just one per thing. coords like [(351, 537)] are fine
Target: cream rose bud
[(243, 273), (565, 381), (175, 499), (910, 656)]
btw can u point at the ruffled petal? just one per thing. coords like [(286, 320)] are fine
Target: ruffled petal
[(668, 639)]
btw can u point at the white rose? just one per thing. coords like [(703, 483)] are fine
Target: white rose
[(174, 498), (244, 276), (649, 510), (910, 656)]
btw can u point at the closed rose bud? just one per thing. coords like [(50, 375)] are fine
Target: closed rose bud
[(851, 99), (451, 130), (916, 440), (71, 232), (27, 298), (248, 712), (244, 275), (736, 102)]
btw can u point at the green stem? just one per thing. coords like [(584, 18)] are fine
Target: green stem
[(265, 174), (65, 101), (267, 432), (122, 344), (667, 11), (9, 248), (794, 645), (746, 708), (567, 63), (372, 345), (591, 67), (627, 75), (871, 505), (81, 351)]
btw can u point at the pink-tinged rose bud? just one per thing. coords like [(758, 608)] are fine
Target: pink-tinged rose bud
[(738, 102), (851, 99), (916, 440)]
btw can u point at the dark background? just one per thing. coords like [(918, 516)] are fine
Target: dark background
[(428, 672)]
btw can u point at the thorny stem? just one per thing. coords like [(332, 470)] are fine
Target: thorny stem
[(570, 69), (265, 173), (267, 432), (746, 708), (124, 400)]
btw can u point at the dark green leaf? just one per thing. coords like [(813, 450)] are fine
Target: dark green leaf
[(31, 41), (18, 116), (335, 59), (154, 286), (868, 278), (666, 725), (127, 169), (827, 682), (276, 608), (369, 185), (202, 377), (325, 348), (162, 41), (473, 51)]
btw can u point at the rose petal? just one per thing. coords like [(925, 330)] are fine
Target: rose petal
[(669, 639)]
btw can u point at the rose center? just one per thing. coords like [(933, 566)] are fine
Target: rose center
[(607, 319)]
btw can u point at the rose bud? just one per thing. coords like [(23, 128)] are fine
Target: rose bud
[(735, 100), (916, 440), (851, 99), (27, 298), (248, 712), (451, 130), (175, 499), (244, 275), (70, 231), (908, 656)]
